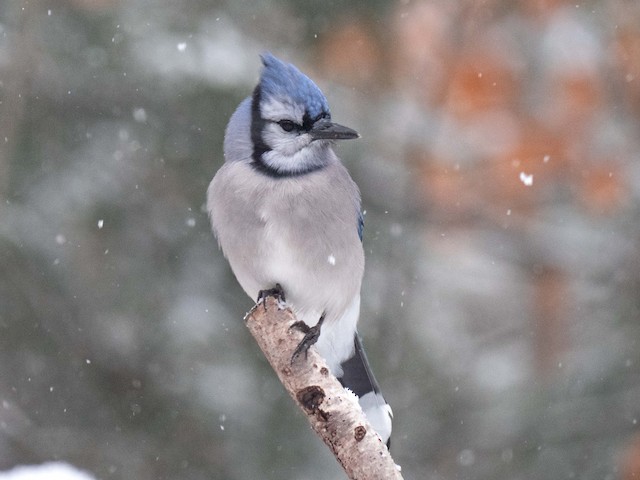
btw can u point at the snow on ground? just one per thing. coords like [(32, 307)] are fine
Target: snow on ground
[(46, 471)]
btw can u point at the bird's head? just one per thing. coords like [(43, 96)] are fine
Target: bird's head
[(291, 126)]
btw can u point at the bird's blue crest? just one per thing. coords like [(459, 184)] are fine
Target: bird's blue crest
[(283, 80)]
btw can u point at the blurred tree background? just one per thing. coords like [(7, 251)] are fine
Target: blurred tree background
[(499, 168)]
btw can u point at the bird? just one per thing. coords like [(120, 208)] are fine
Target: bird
[(287, 216)]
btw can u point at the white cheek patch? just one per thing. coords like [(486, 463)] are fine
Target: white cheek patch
[(276, 109), (299, 161), (285, 143)]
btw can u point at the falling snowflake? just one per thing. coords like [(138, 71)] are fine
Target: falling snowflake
[(526, 179)]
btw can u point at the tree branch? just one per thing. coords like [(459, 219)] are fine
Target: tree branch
[(334, 413)]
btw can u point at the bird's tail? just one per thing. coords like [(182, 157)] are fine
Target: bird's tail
[(358, 377)]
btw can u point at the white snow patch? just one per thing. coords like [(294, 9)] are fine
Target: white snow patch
[(182, 46), (331, 259), (526, 179), (46, 471), (100, 223), (352, 397)]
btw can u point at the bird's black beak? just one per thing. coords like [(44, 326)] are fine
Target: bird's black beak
[(327, 130)]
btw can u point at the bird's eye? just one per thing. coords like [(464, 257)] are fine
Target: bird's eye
[(287, 125)]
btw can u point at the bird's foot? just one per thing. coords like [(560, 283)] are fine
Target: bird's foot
[(277, 292), (311, 335)]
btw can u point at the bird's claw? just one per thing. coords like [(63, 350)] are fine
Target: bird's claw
[(311, 335), (277, 292)]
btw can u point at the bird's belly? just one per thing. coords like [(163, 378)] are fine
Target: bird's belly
[(315, 271), (310, 281)]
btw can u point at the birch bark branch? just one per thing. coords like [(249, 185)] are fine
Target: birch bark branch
[(334, 413)]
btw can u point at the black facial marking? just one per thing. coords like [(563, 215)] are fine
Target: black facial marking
[(260, 166), (308, 121), (257, 125), (260, 147)]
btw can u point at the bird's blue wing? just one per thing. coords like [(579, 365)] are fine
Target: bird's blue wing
[(360, 225)]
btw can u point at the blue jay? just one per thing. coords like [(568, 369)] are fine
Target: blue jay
[(287, 215)]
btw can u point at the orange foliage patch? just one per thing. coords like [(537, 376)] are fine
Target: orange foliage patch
[(574, 98), (539, 154), (602, 189), (550, 304), (481, 81), (350, 54), (422, 51), (630, 460), (627, 57), (446, 190)]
